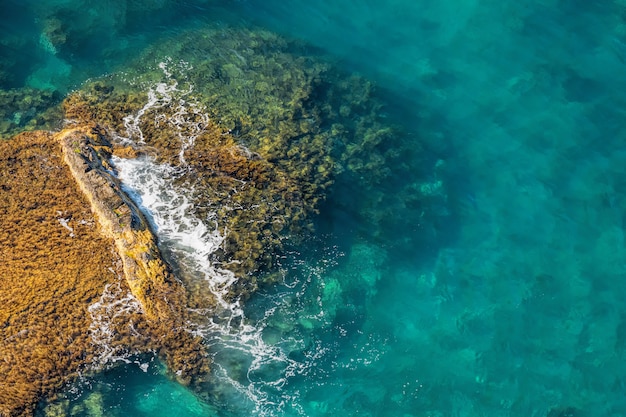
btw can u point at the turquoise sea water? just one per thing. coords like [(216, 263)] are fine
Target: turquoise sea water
[(511, 303)]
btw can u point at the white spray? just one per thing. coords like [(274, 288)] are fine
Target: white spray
[(192, 241)]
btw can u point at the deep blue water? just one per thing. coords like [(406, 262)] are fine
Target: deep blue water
[(512, 304)]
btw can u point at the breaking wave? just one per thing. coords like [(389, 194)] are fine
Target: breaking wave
[(188, 119), (252, 361), (115, 304)]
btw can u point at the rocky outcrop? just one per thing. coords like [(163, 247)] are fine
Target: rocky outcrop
[(67, 233), (121, 220), (257, 157), (54, 264), (161, 295)]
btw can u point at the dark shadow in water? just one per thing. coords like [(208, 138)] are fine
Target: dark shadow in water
[(93, 40), (410, 228), (18, 44)]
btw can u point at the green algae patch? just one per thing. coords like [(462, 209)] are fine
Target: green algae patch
[(28, 109)]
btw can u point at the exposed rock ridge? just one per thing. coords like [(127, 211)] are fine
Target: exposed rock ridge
[(55, 265), (163, 298), (118, 216)]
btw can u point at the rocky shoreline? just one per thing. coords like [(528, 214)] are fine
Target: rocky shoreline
[(54, 264)]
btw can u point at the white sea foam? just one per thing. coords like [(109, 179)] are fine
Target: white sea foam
[(113, 303), (191, 241), (187, 237), (65, 223), (185, 116), (245, 365)]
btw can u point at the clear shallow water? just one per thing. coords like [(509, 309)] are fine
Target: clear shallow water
[(514, 305)]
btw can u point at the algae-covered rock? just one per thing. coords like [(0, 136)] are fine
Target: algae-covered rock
[(256, 128), (53, 35), (94, 406), (59, 256), (261, 126), (149, 278), (49, 275)]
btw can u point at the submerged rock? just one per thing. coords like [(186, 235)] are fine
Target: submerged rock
[(255, 129), (261, 129), (28, 109)]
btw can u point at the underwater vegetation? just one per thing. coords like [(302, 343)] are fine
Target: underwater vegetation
[(27, 109), (284, 100), (38, 30), (260, 129), (264, 127)]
